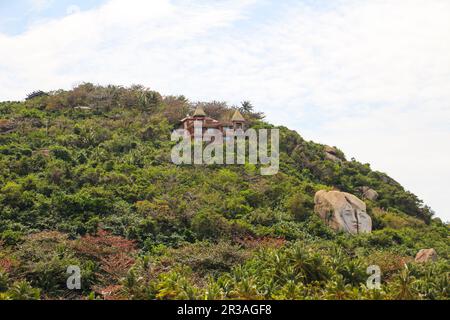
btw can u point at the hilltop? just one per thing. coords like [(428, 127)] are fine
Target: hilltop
[(86, 179)]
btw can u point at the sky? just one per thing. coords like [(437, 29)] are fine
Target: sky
[(371, 77)]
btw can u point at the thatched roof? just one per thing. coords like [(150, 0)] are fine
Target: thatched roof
[(237, 117), (199, 112)]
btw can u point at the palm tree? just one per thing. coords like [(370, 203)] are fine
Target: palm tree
[(246, 107), (404, 285)]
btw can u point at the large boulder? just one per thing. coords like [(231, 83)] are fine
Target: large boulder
[(331, 154), (329, 149), (426, 255), (342, 212), (369, 193)]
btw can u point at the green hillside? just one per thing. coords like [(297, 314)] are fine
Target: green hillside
[(86, 179)]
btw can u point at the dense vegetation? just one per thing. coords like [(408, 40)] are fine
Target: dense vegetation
[(86, 179)]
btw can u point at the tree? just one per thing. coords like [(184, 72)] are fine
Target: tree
[(36, 94), (148, 100), (246, 107), (209, 225)]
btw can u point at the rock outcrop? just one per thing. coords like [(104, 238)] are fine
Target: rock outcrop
[(426, 255), (332, 154), (342, 212), (369, 193)]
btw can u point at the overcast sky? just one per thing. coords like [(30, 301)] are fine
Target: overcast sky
[(370, 77)]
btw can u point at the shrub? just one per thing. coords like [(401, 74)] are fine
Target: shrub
[(4, 280), (44, 260), (22, 290), (11, 237), (61, 153), (299, 206), (206, 257), (209, 225), (103, 244)]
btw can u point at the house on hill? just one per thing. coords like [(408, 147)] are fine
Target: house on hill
[(236, 122)]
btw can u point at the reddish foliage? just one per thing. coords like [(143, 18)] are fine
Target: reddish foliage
[(112, 292), (114, 256), (263, 242), (104, 244), (6, 265), (116, 266)]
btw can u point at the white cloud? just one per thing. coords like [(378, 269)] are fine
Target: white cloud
[(371, 77), (72, 9), (39, 5)]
